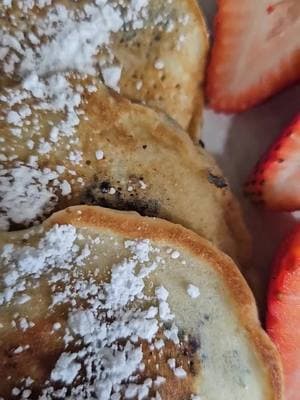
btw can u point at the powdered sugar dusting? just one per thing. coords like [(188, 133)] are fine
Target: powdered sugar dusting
[(25, 194), (66, 368), (50, 59), (103, 340), (111, 76), (25, 185), (75, 37), (55, 248), (193, 291), (74, 43)]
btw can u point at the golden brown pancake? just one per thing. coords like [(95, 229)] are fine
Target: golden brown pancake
[(106, 304), (152, 51), (69, 141)]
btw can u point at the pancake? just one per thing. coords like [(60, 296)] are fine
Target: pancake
[(106, 304), (69, 141), (151, 51)]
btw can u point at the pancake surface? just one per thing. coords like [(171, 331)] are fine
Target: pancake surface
[(105, 304), (70, 141), (151, 51)]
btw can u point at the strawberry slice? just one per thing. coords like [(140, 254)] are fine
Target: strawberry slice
[(255, 54), (283, 317), (276, 179)]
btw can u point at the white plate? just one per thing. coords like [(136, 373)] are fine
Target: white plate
[(237, 142)]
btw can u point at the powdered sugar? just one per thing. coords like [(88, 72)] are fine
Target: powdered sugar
[(175, 254), (165, 312), (66, 369), (74, 43), (193, 291), (25, 194), (172, 363), (55, 248), (75, 37), (112, 366), (111, 76), (159, 64), (179, 372), (140, 249), (162, 293), (27, 186), (54, 94), (65, 188), (61, 40), (106, 334), (99, 155), (70, 39), (125, 285), (82, 322)]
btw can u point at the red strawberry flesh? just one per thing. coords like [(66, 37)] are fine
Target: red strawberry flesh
[(276, 179), (255, 54), (283, 318)]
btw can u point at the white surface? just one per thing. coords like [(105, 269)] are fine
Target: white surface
[(237, 142)]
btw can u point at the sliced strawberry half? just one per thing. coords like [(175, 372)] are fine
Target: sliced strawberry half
[(276, 179), (283, 316), (256, 52)]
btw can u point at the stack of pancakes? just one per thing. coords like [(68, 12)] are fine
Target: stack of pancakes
[(100, 106)]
